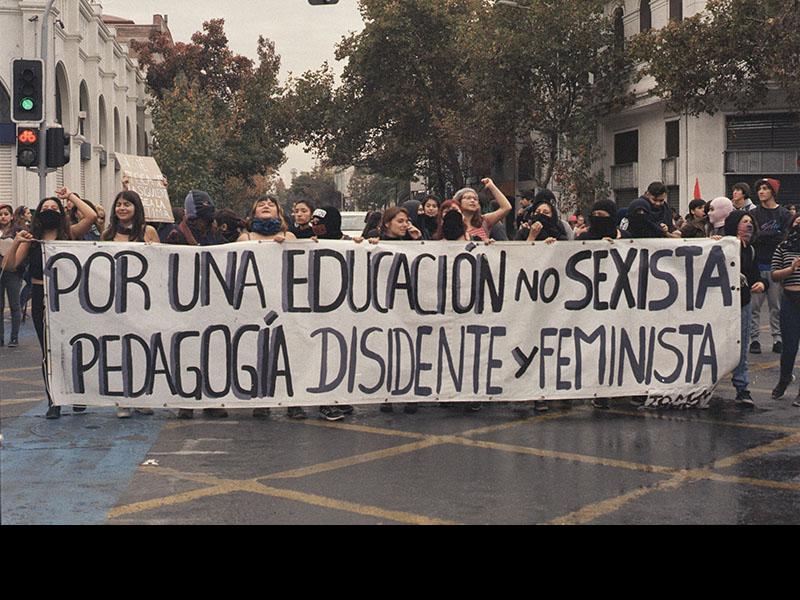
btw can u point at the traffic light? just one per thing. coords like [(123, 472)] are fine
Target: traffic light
[(28, 98), (58, 144), (318, 2), (27, 147)]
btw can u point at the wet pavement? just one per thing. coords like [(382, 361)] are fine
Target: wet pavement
[(501, 465)]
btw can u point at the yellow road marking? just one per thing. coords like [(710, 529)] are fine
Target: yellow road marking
[(223, 486), (20, 369), (220, 486), (666, 416), (598, 509), (11, 379), (20, 401), (354, 460), (594, 511), (582, 458)]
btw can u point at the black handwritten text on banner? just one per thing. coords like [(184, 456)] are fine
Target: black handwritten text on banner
[(304, 323)]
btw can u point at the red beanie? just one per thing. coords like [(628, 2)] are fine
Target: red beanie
[(773, 184)]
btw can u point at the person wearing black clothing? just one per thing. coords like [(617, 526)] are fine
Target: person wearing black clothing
[(773, 223), (786, 270), (603, 223), (197, 229), (740, 223), (542, 222), (228, 225), (326, 223), (49, 223), (429, 217), (649, 216), (301, 220)]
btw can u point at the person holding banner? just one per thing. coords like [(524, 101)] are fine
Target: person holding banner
[(543, 223), (301, 215), (740, 224), (602, 223), (450, 223), (49, 223), (479, 226), (197, 229), (786, 270), (228, 225), (128, 224), (266, 222)]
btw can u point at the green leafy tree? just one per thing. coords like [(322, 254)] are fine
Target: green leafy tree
[(240, 101), (370, 191), (186, 141), (316, 185), (727, 56)]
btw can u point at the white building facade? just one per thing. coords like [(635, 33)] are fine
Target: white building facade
[(647, 143), (95, 90)]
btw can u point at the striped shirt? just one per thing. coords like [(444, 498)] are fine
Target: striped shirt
[(783, 258)]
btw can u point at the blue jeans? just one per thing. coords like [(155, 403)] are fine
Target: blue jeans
[(10, 284), (740, 377)]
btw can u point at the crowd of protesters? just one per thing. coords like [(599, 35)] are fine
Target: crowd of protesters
[(769, 236)]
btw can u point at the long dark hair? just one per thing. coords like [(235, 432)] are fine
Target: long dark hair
[(439, 234), (138, 225), (36, 225)]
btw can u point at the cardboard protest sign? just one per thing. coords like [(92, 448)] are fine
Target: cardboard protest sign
[(142, 175), (302, 323)]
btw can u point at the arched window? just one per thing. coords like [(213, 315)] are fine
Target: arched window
[(63, 101), (103, 124), (117, 131), (645, 16), (676, 10), (619, 28), (84, 126)]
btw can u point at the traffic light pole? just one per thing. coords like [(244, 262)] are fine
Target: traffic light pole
[(43, 124)]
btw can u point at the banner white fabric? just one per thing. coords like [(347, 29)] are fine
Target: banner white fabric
[(304, 323)]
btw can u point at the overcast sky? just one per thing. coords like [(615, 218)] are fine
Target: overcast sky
[(304, 35)]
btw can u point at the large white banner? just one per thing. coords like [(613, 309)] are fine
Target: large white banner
[(304, 323)]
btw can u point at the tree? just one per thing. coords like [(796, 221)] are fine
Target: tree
[(370, 191), (317, 186), (725, 57), (446, 88), (239, 101), (186, 141)]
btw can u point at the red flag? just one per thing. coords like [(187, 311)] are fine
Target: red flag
[(697, 195)]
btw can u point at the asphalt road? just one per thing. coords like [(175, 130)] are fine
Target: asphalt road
[(502, 465)]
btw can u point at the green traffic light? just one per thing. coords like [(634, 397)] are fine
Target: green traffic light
[(27, 104)]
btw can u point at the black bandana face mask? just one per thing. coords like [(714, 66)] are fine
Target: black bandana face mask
[(50, 219), (453, 226), (603, 226)]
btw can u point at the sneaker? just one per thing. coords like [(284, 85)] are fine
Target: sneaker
[(410, 408), (777, 347), (387, 407), (797, 402), (540, 406), (78, 408), (755, 348), (145, 411), (54, 412), (215, 413), (330, 413), (473, 406), (296, 412), (600, 403), (124, 413), (13, 343), (261, 412), (744, 399), (779, 390), (185, 413), (638, 401), (346, 409)]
